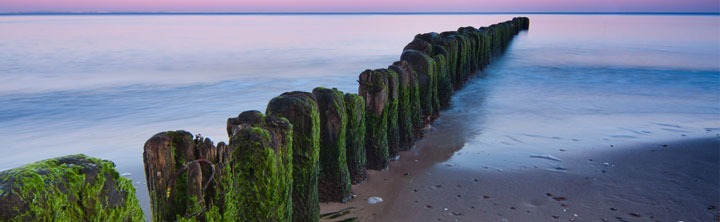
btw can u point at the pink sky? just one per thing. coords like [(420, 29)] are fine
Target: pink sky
[(362, 5)]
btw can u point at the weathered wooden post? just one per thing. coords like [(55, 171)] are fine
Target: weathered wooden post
[(69, 188), (301, 109), (355, 138), (408, 105), (445, 89), (261, 169), (334, 180), (424, 67), (374, 89), (449, 42), (175, 177), (393, 129)]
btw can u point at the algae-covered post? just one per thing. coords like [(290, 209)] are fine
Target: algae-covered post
[(424, 67), (355, 138), (445, 88), (393, 129), (374, 89), (69, 188), (409, 117), (301, 109), (334, 180), (175, 183), (260, 174)]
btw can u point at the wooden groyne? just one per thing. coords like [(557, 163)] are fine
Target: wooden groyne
[(278, 165), (331, 137)]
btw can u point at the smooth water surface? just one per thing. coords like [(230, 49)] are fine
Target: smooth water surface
[(103, 85)]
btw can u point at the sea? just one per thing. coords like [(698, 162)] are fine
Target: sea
[(102, 84)]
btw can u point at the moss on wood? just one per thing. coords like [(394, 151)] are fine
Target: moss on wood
[(69, 188), (301, 109), (355, 139), (334, 181), (374, 89)]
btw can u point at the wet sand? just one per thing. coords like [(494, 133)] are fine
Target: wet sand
[(628, 181)]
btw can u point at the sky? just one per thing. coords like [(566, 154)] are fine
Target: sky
[(360, 5)]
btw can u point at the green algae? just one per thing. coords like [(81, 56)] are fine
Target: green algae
[(445, 89), (334, 178), (355, 138), (393, 128), (424, 67), (406, 104), (374, 89), (301, 109), (69, 188), (261, 173)]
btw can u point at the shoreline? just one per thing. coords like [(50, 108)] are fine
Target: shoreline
[(674, 181)]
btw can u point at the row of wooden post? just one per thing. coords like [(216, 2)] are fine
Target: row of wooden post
[(310, 147)]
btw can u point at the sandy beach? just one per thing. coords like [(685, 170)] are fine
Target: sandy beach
[(632, 181)]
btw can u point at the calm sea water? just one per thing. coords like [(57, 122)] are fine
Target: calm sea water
[(103, 85)]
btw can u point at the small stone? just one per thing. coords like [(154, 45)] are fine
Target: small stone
[(635, 214), (375, 200), (613, 209)]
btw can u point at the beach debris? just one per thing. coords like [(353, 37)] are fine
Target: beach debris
[(560, 198), (336, 214), (546, 156), (613, 209), (445, 209), (375, 200), (635, 214)]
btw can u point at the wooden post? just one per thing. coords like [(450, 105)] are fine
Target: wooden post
[(374, 89), (301, 109), (261, 169), (355, 139), (69, 188), (334, 180)]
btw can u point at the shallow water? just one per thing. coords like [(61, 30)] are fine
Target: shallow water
[(102, 85)]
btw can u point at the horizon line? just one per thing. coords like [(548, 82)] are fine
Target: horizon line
[(344, 13)]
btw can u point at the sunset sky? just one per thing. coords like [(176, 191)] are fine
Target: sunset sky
[(360, 5)]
